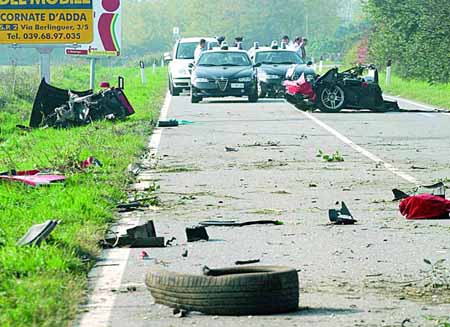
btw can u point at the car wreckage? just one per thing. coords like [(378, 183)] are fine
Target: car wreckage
[(335, 90), (60, 108)]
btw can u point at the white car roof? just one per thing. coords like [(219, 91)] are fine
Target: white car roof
[(196, 39)]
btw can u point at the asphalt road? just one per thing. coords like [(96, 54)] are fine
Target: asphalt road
[(369, 274)]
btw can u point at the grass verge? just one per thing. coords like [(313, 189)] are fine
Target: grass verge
[(437, 95), (42, 286)]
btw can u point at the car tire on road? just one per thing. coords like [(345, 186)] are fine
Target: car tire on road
[(253, 96), (195, 98), (174, 91), (237, 291), (331, 98), (262, 91)]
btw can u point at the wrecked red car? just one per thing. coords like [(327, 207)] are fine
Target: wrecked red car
[(336, 90)]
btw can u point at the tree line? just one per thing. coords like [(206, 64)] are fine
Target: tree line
[(150, 23), (414, 34)]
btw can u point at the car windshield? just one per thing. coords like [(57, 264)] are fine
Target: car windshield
[(186, 50), (224, 59), (278, 57)]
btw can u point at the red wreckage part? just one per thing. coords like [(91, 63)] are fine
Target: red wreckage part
[(301, 86)]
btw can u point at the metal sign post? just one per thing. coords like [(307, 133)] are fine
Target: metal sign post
[(142, 69), (92, 74), (388, 72), (44, 61)]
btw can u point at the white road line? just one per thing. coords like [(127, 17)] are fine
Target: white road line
[(101, 299), (361, 150)]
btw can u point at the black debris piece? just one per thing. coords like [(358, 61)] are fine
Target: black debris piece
[(132, 206), (233, 223), (399, 195), (196, 233), (437, 189), (171, 241), (247, 262), (143, 236), (342, 216), (38, 233), (168, 123)]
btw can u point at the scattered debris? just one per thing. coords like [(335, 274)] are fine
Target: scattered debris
[(168, 123), (399, 195), (143, 236), (144, 255), (132, 206), (342, 216), (238, 287), (185, 253), (232, 223), (180, 313), (32, 177), (196, 233), (174, 123), (437, 189), (267, 144), (425, 206), (230, 149), (247, 262), (24, 128), (335, 157), (312, 185), (171, 241), (91, 161), (134, 169), (38, 233)]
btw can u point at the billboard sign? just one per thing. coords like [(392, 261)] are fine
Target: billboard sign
[(107, 31), (46, 21)]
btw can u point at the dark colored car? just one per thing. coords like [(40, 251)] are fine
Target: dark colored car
[(223, 73), (272, 66)]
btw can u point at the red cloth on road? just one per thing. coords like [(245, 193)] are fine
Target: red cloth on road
[(425, 206)]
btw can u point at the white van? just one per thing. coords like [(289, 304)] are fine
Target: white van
[(182, 56)]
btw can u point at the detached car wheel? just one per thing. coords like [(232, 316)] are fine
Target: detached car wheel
[(259, 290), (331, 98)]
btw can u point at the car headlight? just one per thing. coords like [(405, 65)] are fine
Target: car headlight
[(200, 80), (265, 77), (245, 79)]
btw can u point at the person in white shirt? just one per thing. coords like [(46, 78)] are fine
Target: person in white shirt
[(200, 48), (296, 45), (285, 40)]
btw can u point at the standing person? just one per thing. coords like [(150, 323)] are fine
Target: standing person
[(296, 44), (285, 40), (200, 48), (302, 49)]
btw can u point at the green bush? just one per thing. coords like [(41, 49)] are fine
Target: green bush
[(415, 34)]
